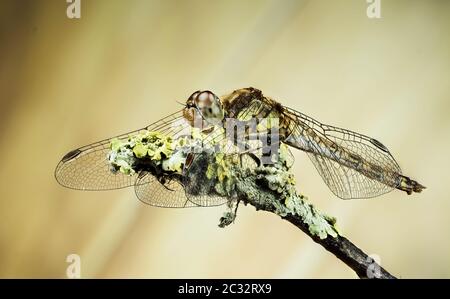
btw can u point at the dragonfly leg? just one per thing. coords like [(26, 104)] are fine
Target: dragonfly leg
[(162, 180), (235, 209)]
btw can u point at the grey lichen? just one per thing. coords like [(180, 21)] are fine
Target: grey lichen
[(239, 177), (272, 187)]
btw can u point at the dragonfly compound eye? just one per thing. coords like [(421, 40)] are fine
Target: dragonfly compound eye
[(209, 106), (204, 99)]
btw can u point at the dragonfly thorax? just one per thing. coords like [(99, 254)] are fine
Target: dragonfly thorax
[(208, 105)]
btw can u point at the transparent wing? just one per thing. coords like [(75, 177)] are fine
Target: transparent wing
[(168, 193), (87, 168), (343, 180), (346, 182)]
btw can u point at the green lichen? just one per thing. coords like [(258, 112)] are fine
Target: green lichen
[(221, 172), (161, 150), (124, 155)]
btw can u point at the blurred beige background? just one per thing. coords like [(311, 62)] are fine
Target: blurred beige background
[(65, 83)]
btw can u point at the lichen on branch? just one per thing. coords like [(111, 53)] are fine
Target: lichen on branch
[(240, 177)]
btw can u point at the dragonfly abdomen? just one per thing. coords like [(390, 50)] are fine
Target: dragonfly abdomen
[(409, 185)]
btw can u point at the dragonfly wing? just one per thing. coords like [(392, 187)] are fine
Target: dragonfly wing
[(87, 168), (344, 181), (168, 193)]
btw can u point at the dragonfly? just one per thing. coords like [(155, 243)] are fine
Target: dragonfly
[(351, 164)]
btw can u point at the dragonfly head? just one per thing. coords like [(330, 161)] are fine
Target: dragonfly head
[(208, 105)]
